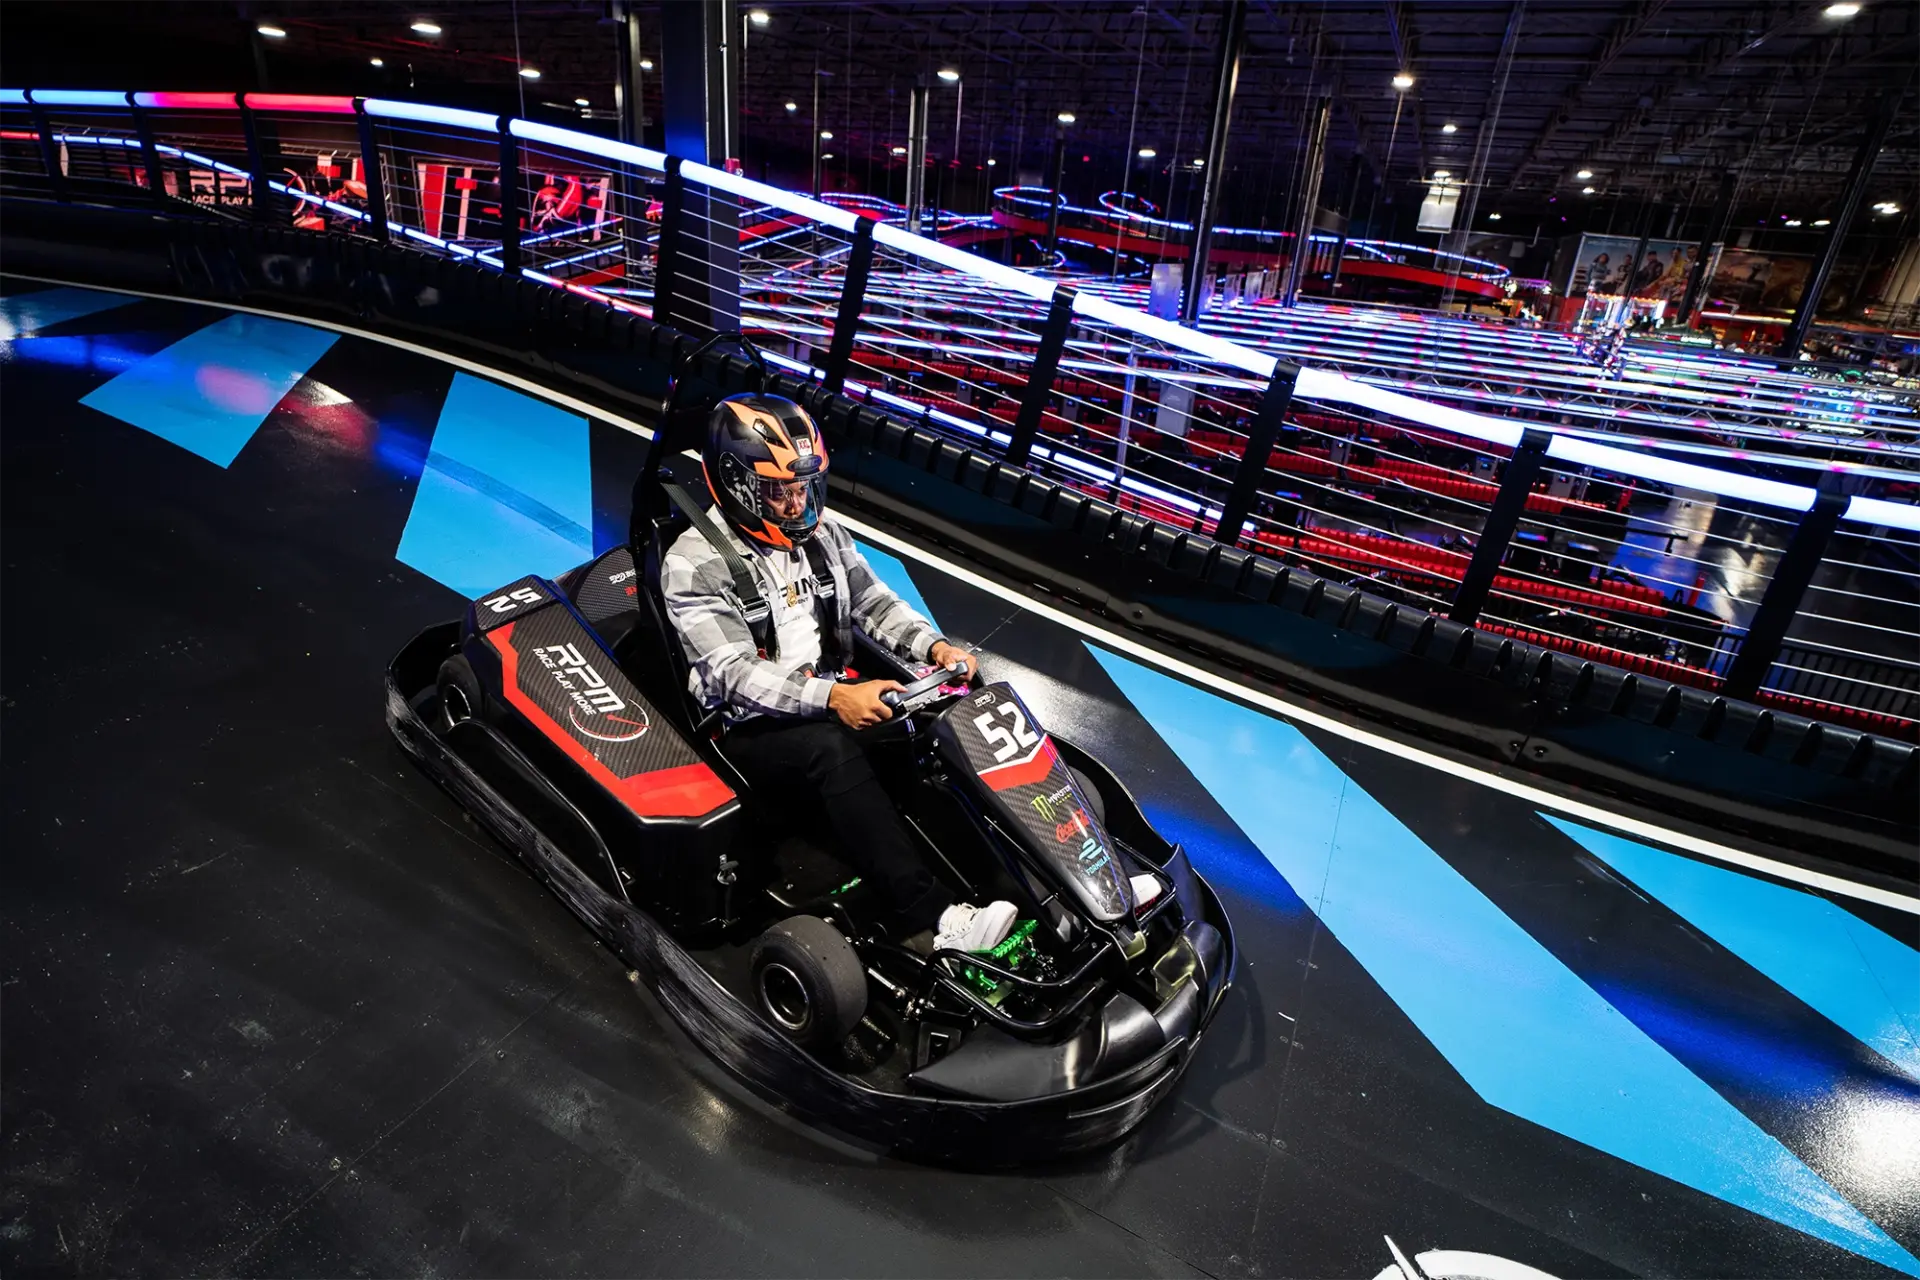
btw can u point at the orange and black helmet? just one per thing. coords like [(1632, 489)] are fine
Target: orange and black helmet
[(767, 467)]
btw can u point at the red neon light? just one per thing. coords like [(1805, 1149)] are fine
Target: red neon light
[(187, 101), (17, 135), (300, 102)]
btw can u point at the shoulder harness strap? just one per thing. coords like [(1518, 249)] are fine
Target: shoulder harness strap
[(753, 602)]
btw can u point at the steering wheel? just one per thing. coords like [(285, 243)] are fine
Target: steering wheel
[(913, 696)]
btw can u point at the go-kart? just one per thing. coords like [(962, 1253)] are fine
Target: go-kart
[(557, 712)]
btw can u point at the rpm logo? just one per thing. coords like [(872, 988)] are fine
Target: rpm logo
[(508, 601), (597, 711)]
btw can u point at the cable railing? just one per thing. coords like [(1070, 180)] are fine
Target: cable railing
[(1741, 578)]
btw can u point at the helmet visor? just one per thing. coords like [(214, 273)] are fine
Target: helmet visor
[(794, 506)]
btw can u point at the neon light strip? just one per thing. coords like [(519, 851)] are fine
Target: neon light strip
[(77, 98), (188, 101), (306, 102), (573, 140), (419, 113)]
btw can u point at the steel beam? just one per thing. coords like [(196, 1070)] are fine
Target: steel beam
[(1233, 38)]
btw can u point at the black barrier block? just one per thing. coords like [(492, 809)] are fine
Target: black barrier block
[(916, 448), (976, 473), (1332, 603), (1159, 545), (1228, 564), (1189, 554), (1036, 496), (1067, 509), (947, 459)]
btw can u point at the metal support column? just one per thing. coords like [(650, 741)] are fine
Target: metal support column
[(1703, 256), (1253, 463), (1046, 359), (371, 172), (666, 266), (1508, 506), (700, 93), (510, 198), (1233, 34), (149, 154), (1059, 191), (1857, 178), (1791, 576), (49, 151), (853, 292), (259, 194), (917, 107), (629, 91), (1298, 259)]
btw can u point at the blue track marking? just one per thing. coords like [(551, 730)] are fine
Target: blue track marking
[(1857, 977), (24, 314), (892, 571), (210, 391), (1520, 1027), (507, 491)]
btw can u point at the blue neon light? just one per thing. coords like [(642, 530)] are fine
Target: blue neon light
[(78, 98), (421, 113)]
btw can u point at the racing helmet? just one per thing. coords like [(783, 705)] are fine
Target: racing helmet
[(767, 468)]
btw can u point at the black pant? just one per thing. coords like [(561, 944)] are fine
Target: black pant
[(796, 760)]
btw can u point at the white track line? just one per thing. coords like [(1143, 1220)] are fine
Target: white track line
[(1114, 640)]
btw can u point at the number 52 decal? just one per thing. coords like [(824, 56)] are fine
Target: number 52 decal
[(513, 599), (1006, 743)]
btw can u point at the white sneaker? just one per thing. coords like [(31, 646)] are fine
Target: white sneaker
[(1145, 889), (965, 927)]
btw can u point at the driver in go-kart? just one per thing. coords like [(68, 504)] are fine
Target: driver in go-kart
[(779, 678)]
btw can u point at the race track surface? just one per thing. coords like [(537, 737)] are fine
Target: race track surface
[(270, 1003)]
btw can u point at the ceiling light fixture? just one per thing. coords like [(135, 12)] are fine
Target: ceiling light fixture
[(1403, 81), (948, 74), (1442, 173), (1148, 153), (827, 155), (376, 62), (1449, 127), (826, 135), (271, 32), (1065, 117), (991, 162), (1493, 217), (793, 106), (1586, 191), (529, 73), (759, 17), (581, 102), (899, 151), (1822, 222), (426, 28), (1841, 11), (1584, 174), (646, 64), (1793, 222)]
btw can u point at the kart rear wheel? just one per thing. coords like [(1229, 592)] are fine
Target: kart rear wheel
[(808, 982), (461, 697), (1091, 794)]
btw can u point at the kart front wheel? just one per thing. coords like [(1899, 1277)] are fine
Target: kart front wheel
[(808, 982), (461, 697)]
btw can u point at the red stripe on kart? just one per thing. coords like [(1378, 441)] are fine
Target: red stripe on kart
[(685, 791), (1032, 768)]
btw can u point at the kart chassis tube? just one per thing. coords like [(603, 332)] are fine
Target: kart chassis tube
[(940, 1129)]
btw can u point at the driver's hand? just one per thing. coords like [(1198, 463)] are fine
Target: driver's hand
[(945, 655), (859, 705)]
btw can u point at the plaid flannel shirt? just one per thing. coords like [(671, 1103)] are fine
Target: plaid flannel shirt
[(727, 669)]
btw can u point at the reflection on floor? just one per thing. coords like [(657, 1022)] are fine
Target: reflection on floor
[(270, 1005)]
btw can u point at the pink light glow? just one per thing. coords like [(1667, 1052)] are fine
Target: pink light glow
[(313, 102), (187, 101)]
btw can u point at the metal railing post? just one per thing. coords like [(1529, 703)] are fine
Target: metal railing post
[(143, 129), (259, 194), (853, 293), (509, 200), (1791, 577), (1504, 517), (49, 151), (371, 173), (1253, 463), (1046, 359), (673, 202)]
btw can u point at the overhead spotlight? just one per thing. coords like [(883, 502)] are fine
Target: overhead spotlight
[(1586, 191), (646, 64), (1584, 174), (1793, 222), (426, 28), (1403, 81), (1841, 11), (1449, 127), (826, 135), (759, 17), (793, 106), (1442, 173), (1148, 153), (1065, 117), (529, 73), (826, 155), (1889, 207), (376, 62), (581, 102), (271, 32), (899, 151), (991, 162), (1822, 222), (1493, 217), (949, 74)]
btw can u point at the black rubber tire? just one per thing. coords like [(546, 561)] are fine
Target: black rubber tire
[(461, 697), (808, 982), (1090, 793)]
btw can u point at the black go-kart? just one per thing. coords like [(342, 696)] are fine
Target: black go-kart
[(558, 713)]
